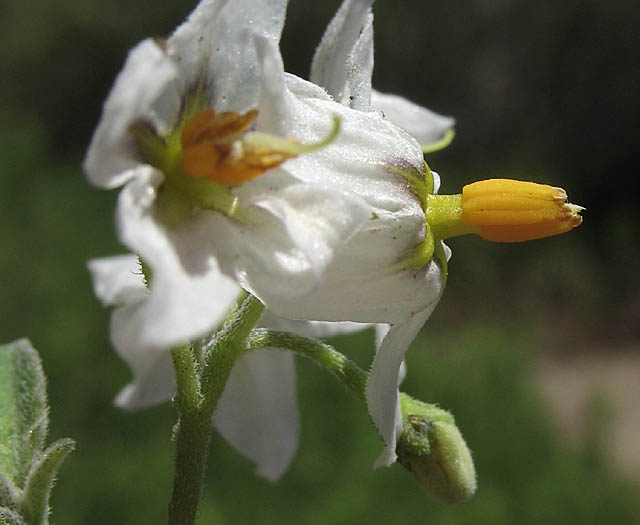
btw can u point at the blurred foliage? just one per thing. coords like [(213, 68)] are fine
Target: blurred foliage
[(540, 90)]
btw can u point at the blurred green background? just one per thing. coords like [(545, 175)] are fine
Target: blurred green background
[(545, 91)]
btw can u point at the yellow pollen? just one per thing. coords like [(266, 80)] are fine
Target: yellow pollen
[(216, 146), (506, 210)]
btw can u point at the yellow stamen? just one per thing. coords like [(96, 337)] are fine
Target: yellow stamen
[(512, 211), (198, 160), (209, 126), (216, 146)]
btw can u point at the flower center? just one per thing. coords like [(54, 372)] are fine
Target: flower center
[(208, 153), (218, 147)]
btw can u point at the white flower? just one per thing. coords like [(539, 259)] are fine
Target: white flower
[(327, 234), (274, 234)]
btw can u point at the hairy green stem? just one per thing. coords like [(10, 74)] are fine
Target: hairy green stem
[(225, 347), (322, 354), (328, 358), (198, 390), (192, 434), (187, 381)]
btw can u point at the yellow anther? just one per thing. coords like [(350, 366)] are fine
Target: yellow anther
[(209, 126), (200, 159), (218, 147), (506, 210)]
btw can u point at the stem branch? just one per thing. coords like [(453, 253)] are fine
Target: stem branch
[(322, 354), (199, 385)]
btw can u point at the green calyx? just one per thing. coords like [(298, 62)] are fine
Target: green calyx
[(443, 218), (420, 182), (423, 186)]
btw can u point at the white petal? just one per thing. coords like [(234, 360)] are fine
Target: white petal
[(279, 108), (343, 61), (385, 376), (316, 329), (357, 161), (295, 235), (257, 412), (153, 381), (381, 332), (436, 182), (146, 89), (189, 295), (318, 222), (421, 123), (447, 251), (117, 280), (360, 284), (217, 39), (360, 70), (402, 373)]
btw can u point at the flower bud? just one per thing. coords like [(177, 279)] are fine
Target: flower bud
[(433, 450)]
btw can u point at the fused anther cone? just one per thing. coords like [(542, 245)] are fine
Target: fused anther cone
[(507, 210)]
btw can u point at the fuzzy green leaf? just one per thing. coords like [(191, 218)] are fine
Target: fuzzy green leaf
[(23, 409), (9, 494), (35, 498), (9, 517)]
